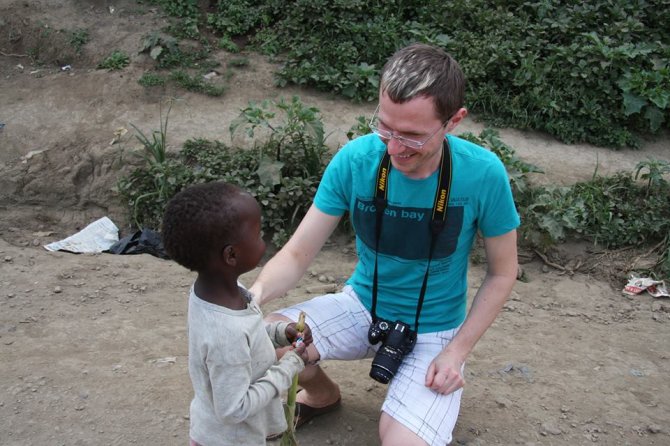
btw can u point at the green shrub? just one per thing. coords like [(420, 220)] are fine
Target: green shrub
[(196, 83), (78, 38), (613, 212), (283, 169), (282, 172), (151, 80), (117, 60), (583, 71)]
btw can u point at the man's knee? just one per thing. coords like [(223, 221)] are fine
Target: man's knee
[(394, 433)]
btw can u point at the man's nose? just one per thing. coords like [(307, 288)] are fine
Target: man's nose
[(393, 146)]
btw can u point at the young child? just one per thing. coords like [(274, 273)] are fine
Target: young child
[(215, 230)]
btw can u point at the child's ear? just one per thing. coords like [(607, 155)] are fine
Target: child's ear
[(228, 255)]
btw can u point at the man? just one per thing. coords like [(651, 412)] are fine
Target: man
[(413, 251)]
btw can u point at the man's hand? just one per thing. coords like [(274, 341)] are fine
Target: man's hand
[(444, 374)]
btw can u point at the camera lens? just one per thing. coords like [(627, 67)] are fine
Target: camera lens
[(385, 365)]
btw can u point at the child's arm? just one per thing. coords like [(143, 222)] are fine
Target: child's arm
[(236, 396)]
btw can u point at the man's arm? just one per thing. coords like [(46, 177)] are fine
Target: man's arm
[(283, 271), (444, 374)]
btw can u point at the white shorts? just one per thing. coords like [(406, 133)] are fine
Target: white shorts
[(340, 323)]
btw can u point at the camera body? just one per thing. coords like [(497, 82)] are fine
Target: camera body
[(397, 341)]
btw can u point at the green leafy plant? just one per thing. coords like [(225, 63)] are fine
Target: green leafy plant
[(647, 93), (361, 127), (655, 172), (584, 72), (147, 189), (149, 79), (301, 129), (226, 43), (239, 62), (284, 186), (612, 212), (117, 60), (78, 38), (196, 83), (158, 46), (181, 8)]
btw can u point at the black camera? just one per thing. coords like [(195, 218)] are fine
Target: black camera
[(397, 341)]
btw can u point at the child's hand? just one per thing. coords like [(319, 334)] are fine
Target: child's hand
[(300, 348), (298, 338)]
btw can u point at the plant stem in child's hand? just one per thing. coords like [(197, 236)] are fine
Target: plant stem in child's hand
[(288, 438)]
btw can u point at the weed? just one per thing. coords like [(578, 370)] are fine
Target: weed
[(117, 60), (284, 187), (150, 79), (196, 83), (239, 62), (656, 170), (78, 38), (595, 72), (225, 43), (147, 190), (362, 127)]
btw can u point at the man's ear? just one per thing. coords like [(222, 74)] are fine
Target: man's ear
[(228, 255), (456, 119)]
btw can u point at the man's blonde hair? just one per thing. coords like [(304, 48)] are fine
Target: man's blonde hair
[(425, 70)]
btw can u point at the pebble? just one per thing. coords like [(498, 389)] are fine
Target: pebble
[(548, 428), (58, 289), (655, 429), (503, 402)]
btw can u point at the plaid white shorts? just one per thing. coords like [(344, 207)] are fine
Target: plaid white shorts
[(340, 323)]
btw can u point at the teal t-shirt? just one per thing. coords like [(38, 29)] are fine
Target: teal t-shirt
[(480, 200)]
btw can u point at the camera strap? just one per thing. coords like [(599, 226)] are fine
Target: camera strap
[(437, 222)]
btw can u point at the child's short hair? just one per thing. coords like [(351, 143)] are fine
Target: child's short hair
[(199, 221)]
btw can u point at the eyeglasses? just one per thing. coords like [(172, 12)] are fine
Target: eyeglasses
[(407, 142)]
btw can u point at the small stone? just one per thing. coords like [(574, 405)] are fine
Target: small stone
[(655, 429), (548, 428), (323, 278), (503, 402), (58, 289), (8, 258)]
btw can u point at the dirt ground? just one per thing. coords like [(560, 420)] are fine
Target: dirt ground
[(93, 346)]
